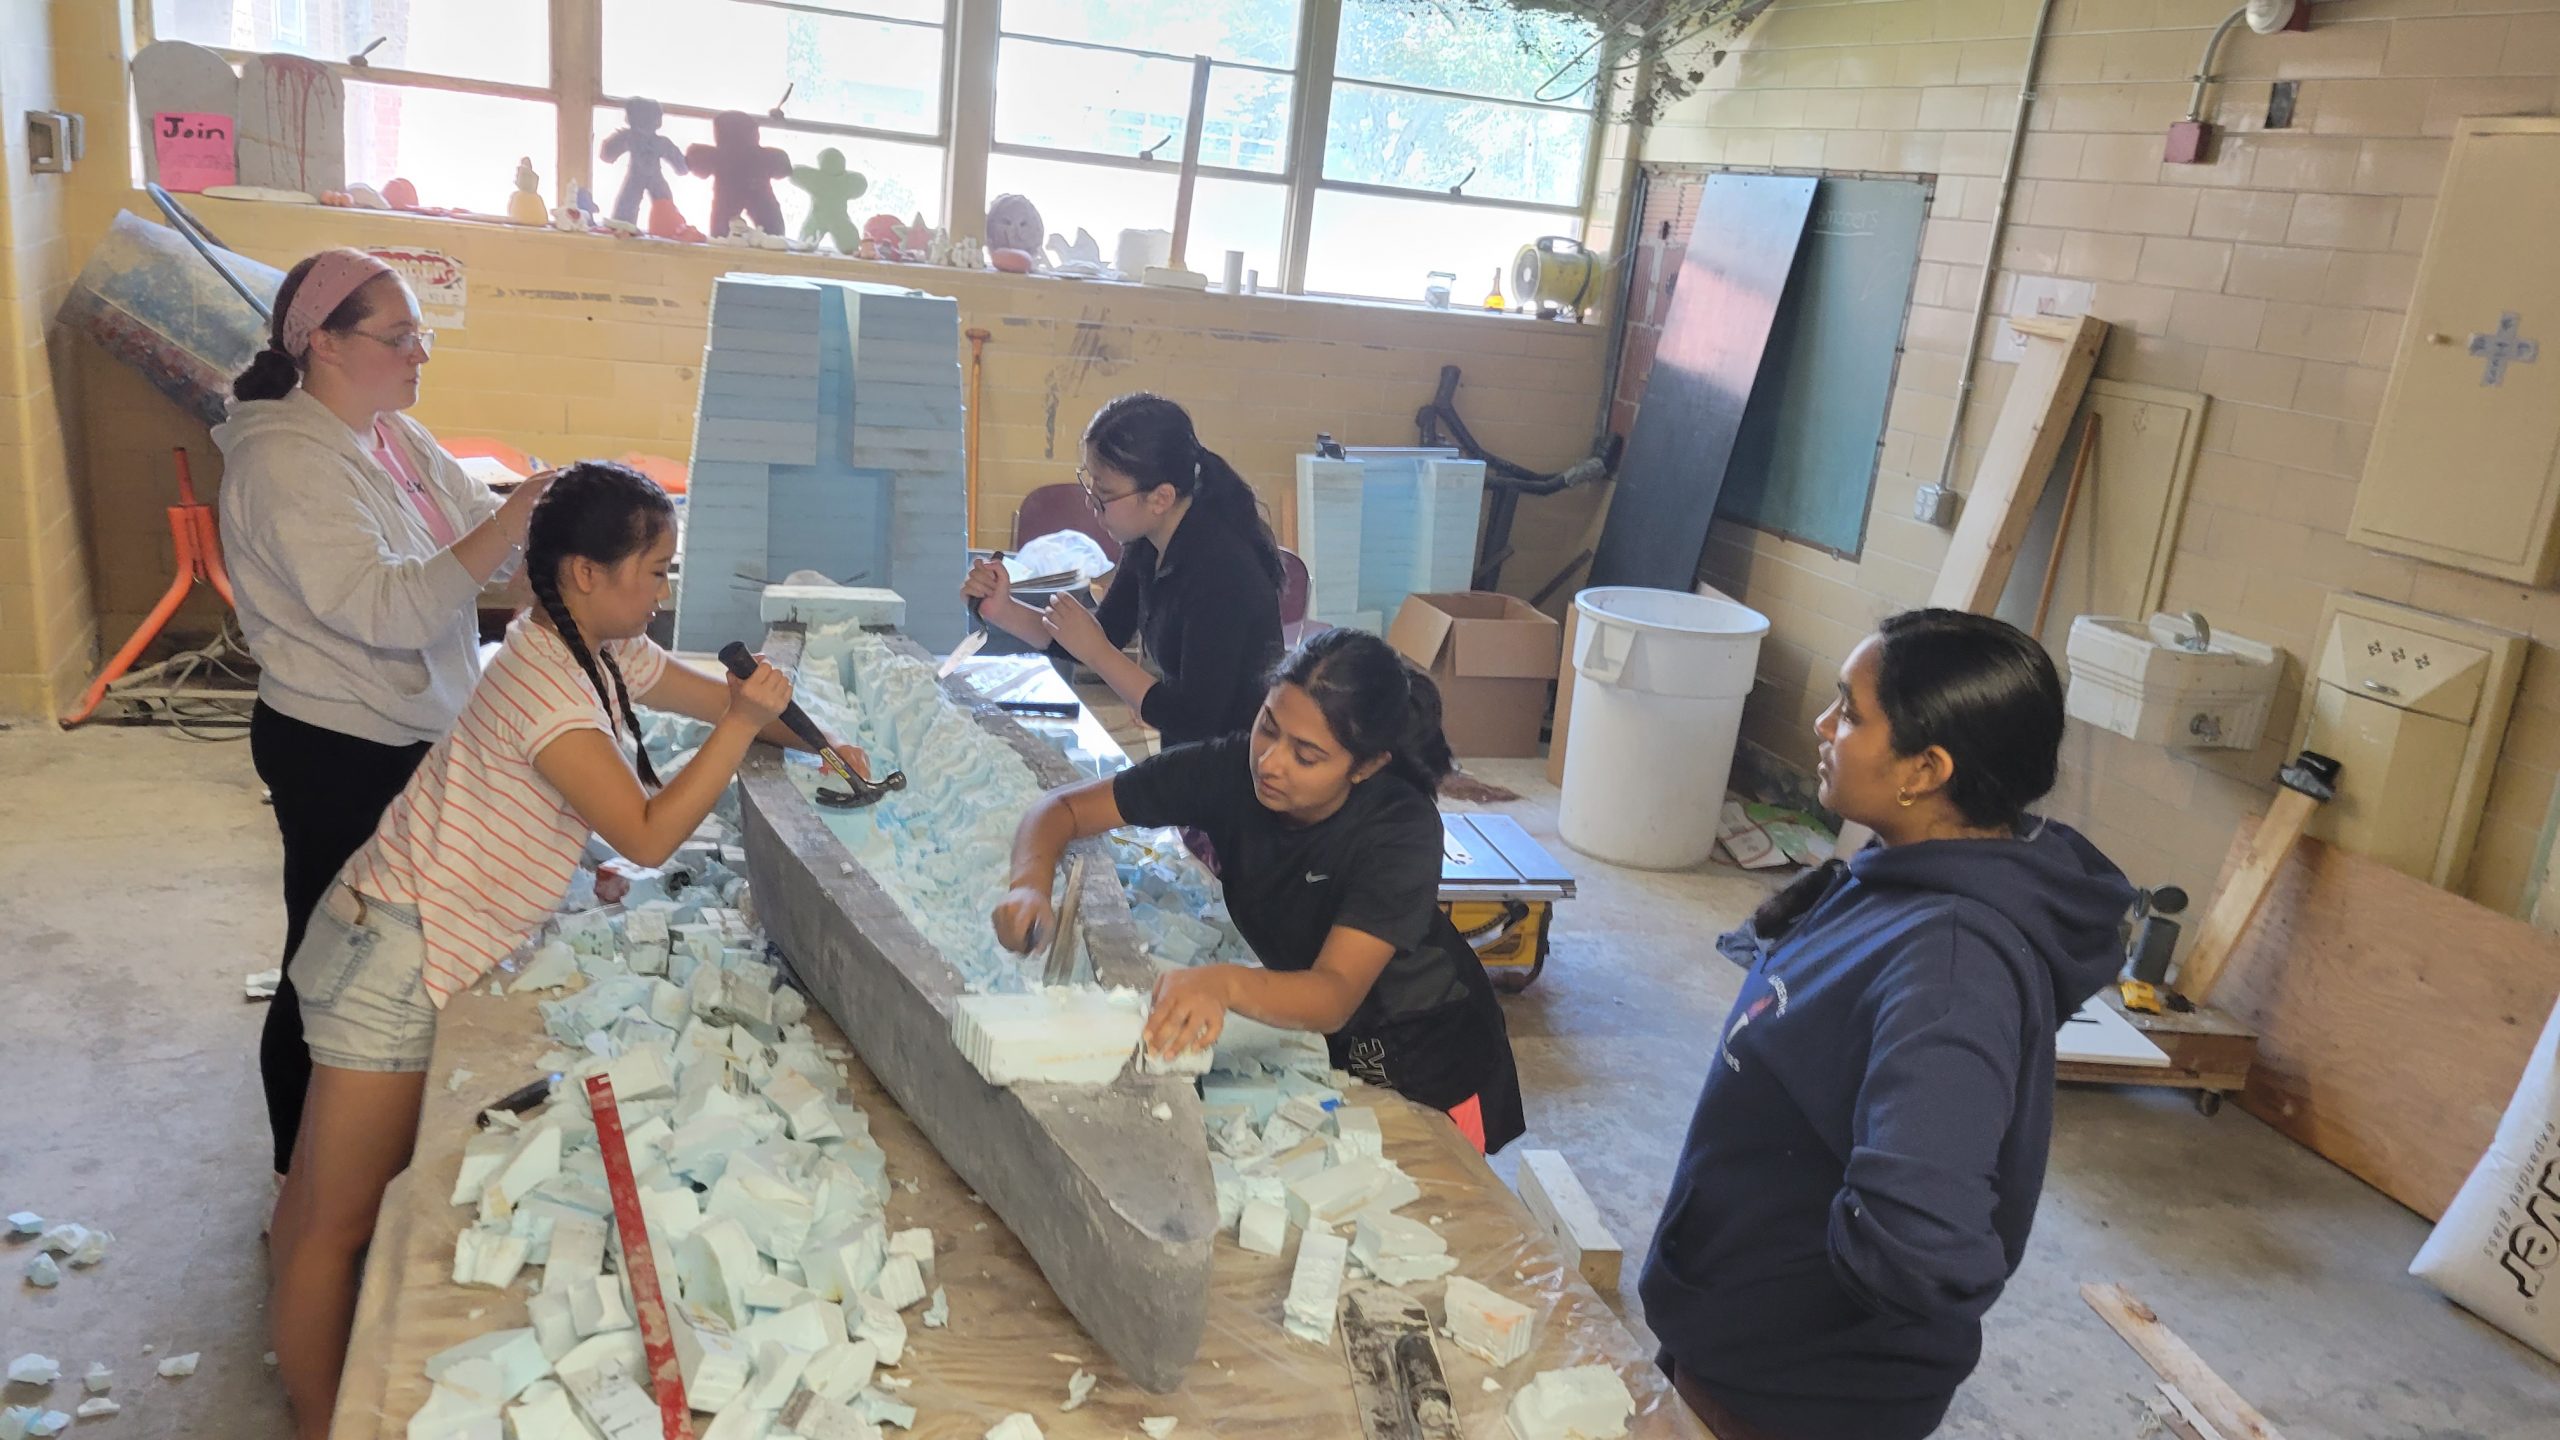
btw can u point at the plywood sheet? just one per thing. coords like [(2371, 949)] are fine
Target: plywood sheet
[(2393, 1018)]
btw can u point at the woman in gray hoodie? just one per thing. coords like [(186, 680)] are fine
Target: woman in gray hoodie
[(357, 549)]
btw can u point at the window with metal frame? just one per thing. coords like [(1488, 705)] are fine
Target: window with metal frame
[(1457, 132), (1092, 101)]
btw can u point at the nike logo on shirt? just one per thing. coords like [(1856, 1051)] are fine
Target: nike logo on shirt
[(1315, 879)]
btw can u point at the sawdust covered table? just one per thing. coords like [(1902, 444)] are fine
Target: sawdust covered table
[(1009, 1346)]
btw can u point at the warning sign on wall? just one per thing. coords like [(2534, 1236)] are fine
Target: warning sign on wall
[(437, 279)]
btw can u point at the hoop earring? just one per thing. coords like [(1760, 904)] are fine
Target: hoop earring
[(1903, 797)]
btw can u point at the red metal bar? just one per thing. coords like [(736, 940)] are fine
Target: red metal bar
[(657, 1337)]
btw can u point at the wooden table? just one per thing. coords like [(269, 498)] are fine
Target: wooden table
[(1009, 1346), (2209, 1053)]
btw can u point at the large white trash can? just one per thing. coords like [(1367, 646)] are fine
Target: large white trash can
[(1659, 681)]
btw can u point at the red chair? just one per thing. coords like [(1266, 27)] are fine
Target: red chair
[(1053, 508), (1294, 585)]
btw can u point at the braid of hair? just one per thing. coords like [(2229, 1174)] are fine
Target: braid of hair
[(622, 696), (545, 582)]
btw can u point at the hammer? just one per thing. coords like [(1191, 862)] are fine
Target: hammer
[(2309, 782)]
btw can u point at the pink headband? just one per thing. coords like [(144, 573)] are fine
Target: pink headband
[(334, 275)]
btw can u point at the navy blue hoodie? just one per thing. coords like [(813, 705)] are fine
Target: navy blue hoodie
[(1867, 1152)]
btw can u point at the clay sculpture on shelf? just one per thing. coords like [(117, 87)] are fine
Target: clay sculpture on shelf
[(525, 206), (1014, 229), (832, 189), (742, 170), (649, 153)]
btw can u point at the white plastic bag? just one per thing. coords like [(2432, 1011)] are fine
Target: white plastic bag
[(2496, 1253)]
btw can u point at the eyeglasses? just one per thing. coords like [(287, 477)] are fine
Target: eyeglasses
[(1100, 502), (423, 342)]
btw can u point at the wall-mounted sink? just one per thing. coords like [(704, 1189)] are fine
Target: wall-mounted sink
[(2171, 680)]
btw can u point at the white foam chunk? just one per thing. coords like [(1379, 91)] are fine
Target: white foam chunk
[(840, 1371), (577, 1253), (1016, 1426), (1398, 1249), (901, 1283), (1584, 1402), (1159, 1427), (1263, 1227), (1335, 1195), (883, 1326), (715, 1363), (714, 1264), (598, 1306), (555, 1323), (496, 1367), (553, 965), (806, 1328), (646, 1072), (1356, 1133), (487, 1257), (546, 1413), (535, 1160), (845, 1263), (1057, 1036), (1315, 1287), (917, 1245), (1486, 1324)]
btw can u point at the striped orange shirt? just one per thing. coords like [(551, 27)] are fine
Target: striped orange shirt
[(479, 842)]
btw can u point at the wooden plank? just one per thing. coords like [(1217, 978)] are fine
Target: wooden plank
[(2393, 1018), (1704, 370), (1563, 1209), (2243, 890), (2043, 396), (2212, 1404)]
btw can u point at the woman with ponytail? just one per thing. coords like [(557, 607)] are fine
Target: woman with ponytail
[(357, 549), (475, 853), (1329, 846), (1199, 577)]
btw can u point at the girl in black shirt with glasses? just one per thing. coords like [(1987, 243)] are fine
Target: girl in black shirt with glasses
[(1199, 577)]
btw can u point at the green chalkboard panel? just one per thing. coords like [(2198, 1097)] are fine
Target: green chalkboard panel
[(1804, 463)]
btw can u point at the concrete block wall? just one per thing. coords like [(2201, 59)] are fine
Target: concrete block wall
[(2272, 280), (48, 631)]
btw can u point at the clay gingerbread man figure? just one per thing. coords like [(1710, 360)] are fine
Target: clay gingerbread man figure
[(639, 139), (742, 170), (831, 188)]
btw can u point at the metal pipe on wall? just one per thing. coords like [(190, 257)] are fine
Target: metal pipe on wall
[(1991, 251)]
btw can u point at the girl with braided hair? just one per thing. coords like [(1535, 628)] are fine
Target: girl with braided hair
[(475, 853)]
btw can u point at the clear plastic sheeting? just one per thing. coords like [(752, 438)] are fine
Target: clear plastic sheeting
[(1009, 1346)]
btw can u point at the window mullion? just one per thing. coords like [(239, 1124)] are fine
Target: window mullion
[(577, 78), (1319, 27), (969, 91)]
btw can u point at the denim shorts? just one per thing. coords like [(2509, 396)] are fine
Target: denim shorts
[(361, 975)]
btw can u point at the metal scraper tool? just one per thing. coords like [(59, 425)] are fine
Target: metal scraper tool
[(1395, 1370), (1062, 946), (970, 644)]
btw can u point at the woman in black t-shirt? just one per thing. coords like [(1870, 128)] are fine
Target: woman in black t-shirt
[(1199, 577), (1329, 847)]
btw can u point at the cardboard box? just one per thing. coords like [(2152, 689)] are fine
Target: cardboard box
[(1493, 656)]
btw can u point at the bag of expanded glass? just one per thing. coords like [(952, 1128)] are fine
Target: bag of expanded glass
[(2496, 1253)]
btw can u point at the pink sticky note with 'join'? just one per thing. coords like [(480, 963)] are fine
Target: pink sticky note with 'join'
[(195, 151)]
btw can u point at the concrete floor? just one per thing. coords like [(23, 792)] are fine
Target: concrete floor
[(138, 878)]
